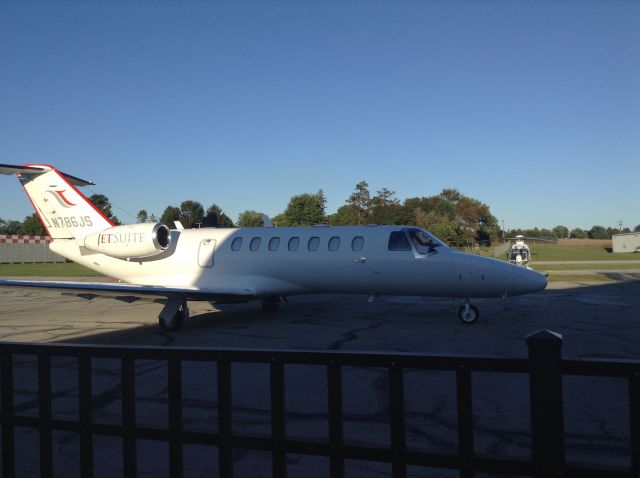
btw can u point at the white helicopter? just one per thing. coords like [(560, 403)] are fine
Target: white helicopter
[(520, 254)]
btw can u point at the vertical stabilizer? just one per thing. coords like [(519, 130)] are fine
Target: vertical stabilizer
[(64, 211)]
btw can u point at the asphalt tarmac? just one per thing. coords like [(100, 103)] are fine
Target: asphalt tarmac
[(597, 320)]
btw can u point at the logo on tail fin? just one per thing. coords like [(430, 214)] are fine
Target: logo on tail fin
[(59, 196)]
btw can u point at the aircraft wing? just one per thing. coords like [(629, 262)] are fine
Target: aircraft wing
[(132, 293)]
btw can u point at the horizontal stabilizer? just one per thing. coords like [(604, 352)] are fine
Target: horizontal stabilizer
[(36, 170)]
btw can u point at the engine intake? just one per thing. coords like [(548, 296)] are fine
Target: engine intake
[(130, 241)]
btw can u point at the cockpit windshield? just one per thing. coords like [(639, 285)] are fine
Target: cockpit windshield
[(424, 242)]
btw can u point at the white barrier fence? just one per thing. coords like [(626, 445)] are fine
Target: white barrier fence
[(24, 249)]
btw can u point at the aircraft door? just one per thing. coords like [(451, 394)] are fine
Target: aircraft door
[(205, 252)]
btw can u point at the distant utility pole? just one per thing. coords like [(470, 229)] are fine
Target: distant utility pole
[(620, 225)]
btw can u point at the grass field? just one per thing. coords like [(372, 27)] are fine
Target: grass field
[(587, 265), (68, 269), (578, 278), (579, 252), (565, 250)]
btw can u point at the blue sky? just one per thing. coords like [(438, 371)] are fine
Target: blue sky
[(530, 107)]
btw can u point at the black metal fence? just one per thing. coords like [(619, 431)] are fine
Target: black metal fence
[(544, 366)]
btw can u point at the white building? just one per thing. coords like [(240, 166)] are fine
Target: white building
[(629, 242)]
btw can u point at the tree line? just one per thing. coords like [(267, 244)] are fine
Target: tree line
[(563, 232), (450, 215)]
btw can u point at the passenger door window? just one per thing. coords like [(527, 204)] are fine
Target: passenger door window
[(357, 243), (274, 243), (254, 245), (294, 242), (313, 243)]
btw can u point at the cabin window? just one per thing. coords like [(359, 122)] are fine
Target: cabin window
[(274, 243), (254, 245), (334, 243), (313, 243), (398, 242), (357, 243), (294, 242), (236, 244)]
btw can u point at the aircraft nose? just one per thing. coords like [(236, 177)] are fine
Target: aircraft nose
[(527, 281)]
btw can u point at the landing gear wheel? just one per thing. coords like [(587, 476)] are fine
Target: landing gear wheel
[(174, 322), (270, 304), (468, 314)]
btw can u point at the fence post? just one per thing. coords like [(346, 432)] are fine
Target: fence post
[(545, 389)]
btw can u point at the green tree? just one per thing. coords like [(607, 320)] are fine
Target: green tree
[(637, 228), (215, 217), (102, 202), (10, 227), (170, 215), (32, 226), (386, 209), (384, 197), (359, 205), (578, 233), (435, 223), (561, 232), (471, 219), (142, 216), (306, 209), (392, 213), (451, 195), (191, 213), (598, 232), (347, 215), (280, 220), (250, 218)]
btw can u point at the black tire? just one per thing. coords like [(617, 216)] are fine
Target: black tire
[(270, 305), (174, 324), (471, 317)]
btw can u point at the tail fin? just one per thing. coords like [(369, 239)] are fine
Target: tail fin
[(64, 211)]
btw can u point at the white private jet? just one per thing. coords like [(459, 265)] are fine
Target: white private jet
[(239, 265)]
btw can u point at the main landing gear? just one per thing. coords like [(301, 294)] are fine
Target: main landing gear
[(270, 304), (174, 313), (468, 313)]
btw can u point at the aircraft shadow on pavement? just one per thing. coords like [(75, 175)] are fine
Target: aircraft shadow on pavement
[(596, 319)]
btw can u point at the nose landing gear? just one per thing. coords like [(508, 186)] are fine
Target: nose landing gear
[(468, 313)]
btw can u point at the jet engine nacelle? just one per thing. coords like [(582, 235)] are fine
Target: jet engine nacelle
[(130, 241)]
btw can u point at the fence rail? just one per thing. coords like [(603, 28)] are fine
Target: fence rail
[(544, 366)]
